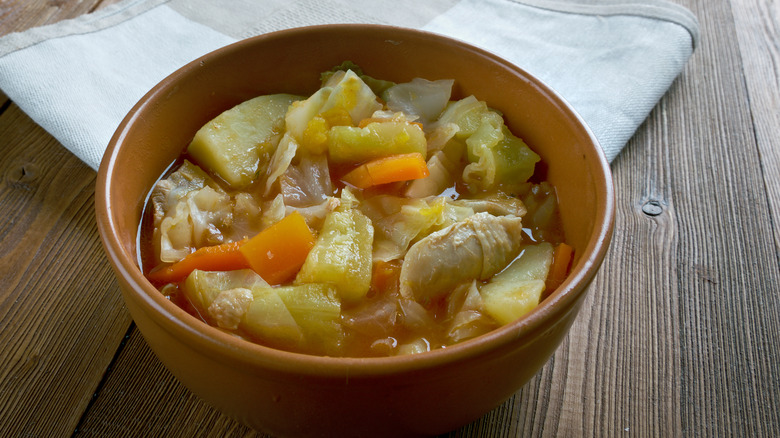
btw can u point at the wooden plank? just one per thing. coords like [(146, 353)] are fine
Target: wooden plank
[(729, 275), (152, 401), (659, 348), (61, 315), (758, 34), (19, 15)]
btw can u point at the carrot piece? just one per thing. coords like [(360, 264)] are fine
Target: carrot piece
[(224, 257), (278, 252), (358, 177), (401, 167), (562, 257)]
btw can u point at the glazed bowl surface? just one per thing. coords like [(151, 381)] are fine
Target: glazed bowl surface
[(289, 394)]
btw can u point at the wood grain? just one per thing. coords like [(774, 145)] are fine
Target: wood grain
[(153, 402), (729, 271), (19, 15), (758, 34), (677, 336), (61, 316)]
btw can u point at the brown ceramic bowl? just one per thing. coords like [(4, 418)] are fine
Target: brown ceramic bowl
[(291, 394)]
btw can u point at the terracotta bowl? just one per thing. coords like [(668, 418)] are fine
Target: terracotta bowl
[(291, 394)]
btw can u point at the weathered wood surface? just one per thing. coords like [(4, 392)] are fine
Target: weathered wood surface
[(678, 336)]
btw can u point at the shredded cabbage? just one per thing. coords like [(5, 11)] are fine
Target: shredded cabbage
[(280, 161), (307, 182), (190, 210), (420, 97)]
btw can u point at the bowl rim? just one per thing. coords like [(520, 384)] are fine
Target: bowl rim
[(218, 344)]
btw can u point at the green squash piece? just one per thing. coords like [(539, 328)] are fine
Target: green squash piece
[(349, 144), (316, 309), (341, 256), (234, 145), (269, 320), (517, 289)]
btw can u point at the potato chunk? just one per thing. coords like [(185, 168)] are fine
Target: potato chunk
[(233, 143)]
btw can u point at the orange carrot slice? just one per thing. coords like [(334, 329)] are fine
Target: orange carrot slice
[(224, 257), (401, 167), (278, 252), (562, 258)]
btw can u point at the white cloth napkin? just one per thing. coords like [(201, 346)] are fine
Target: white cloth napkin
[(611, 59)]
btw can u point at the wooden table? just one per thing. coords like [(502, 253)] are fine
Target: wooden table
[(678, 335)]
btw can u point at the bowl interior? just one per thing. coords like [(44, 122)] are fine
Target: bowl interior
[(164, 121)]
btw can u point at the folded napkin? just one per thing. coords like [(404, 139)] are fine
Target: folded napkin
[(612, 60)]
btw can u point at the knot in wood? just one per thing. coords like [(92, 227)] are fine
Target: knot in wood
[(652, 208)]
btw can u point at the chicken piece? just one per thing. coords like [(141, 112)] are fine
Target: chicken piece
[(476, 248), (498, 204), (229, 307)]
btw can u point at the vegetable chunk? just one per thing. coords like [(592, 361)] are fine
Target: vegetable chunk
[(516, 290), (232, 144), (268, 319), (277, 252), (342, 255), (497, 157), (420, 98), (190, 211), (202, 287), (316, 309), (224, 257), (349, 144), (402, 167)]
